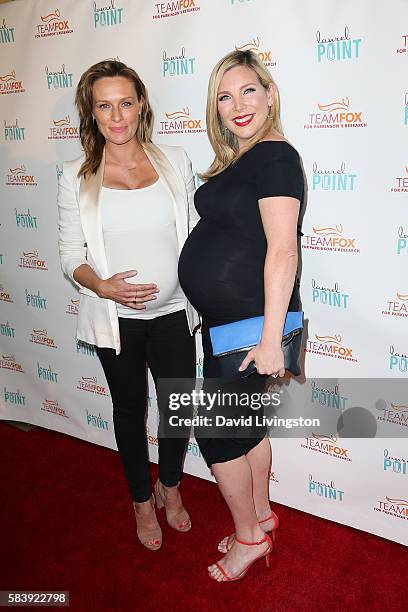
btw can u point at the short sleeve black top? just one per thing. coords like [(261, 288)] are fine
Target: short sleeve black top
[(221, 265)]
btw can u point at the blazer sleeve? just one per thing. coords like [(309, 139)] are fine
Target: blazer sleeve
[(193, 216), (71, 239)]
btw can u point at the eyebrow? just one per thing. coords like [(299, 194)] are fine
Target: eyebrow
[(121, 100), (243, 87)]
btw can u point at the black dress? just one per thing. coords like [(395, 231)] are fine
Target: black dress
[(221, 267)]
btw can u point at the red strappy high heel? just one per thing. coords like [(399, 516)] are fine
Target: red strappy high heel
[(265, 554), (276, 524), (231, 538)]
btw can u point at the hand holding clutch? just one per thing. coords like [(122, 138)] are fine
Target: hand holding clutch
[(229, 341), (268, 360)]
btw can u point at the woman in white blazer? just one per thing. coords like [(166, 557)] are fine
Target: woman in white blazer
[(125, 211)]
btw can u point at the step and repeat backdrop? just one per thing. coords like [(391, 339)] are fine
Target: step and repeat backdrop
[(342, 73)]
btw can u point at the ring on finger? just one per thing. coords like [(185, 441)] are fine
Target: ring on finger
[(275, 375)]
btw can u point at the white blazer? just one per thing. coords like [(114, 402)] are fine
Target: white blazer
[(81, 234)]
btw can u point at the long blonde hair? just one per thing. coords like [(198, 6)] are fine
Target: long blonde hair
[(223, 142), (91, 139)]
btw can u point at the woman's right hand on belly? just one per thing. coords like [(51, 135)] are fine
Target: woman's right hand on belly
[(131, 295)]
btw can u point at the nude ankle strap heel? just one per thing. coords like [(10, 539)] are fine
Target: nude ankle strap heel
[(150, 537), (178, 519)]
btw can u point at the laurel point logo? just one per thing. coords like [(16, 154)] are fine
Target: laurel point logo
[(324, 489), (13, 131), (255, 46), (7, 330), (329, 295), (6, 33), (178, 65), (398, 361), (337, 48), (96, 421), (328, 396), (107, 15), (398, 465), (333, 179)]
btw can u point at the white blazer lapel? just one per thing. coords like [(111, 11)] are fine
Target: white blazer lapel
[(90, 210), (172, 181)]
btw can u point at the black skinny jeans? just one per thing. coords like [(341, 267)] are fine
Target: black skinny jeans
[(166, 346)]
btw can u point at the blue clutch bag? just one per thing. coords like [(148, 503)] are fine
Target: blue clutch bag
[(229, 341)]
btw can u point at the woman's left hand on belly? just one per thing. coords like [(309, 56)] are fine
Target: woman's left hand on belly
[(268, 360)]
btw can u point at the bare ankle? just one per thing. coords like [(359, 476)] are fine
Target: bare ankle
[(263, 513)]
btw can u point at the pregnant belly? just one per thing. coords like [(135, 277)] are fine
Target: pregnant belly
[(155, 260), (221, 274)]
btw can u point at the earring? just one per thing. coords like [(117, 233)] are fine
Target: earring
[(269, 116), (225, 130)]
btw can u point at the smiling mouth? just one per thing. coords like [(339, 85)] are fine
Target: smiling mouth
[(243, 120)]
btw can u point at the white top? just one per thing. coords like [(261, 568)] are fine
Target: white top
[(139, 231)]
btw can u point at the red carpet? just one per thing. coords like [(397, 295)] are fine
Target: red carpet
[(67, 524)]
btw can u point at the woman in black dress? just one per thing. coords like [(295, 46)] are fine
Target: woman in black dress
[(240, 261)]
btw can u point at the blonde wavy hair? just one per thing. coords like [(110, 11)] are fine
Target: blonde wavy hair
[(223, 142), (91, 139)]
